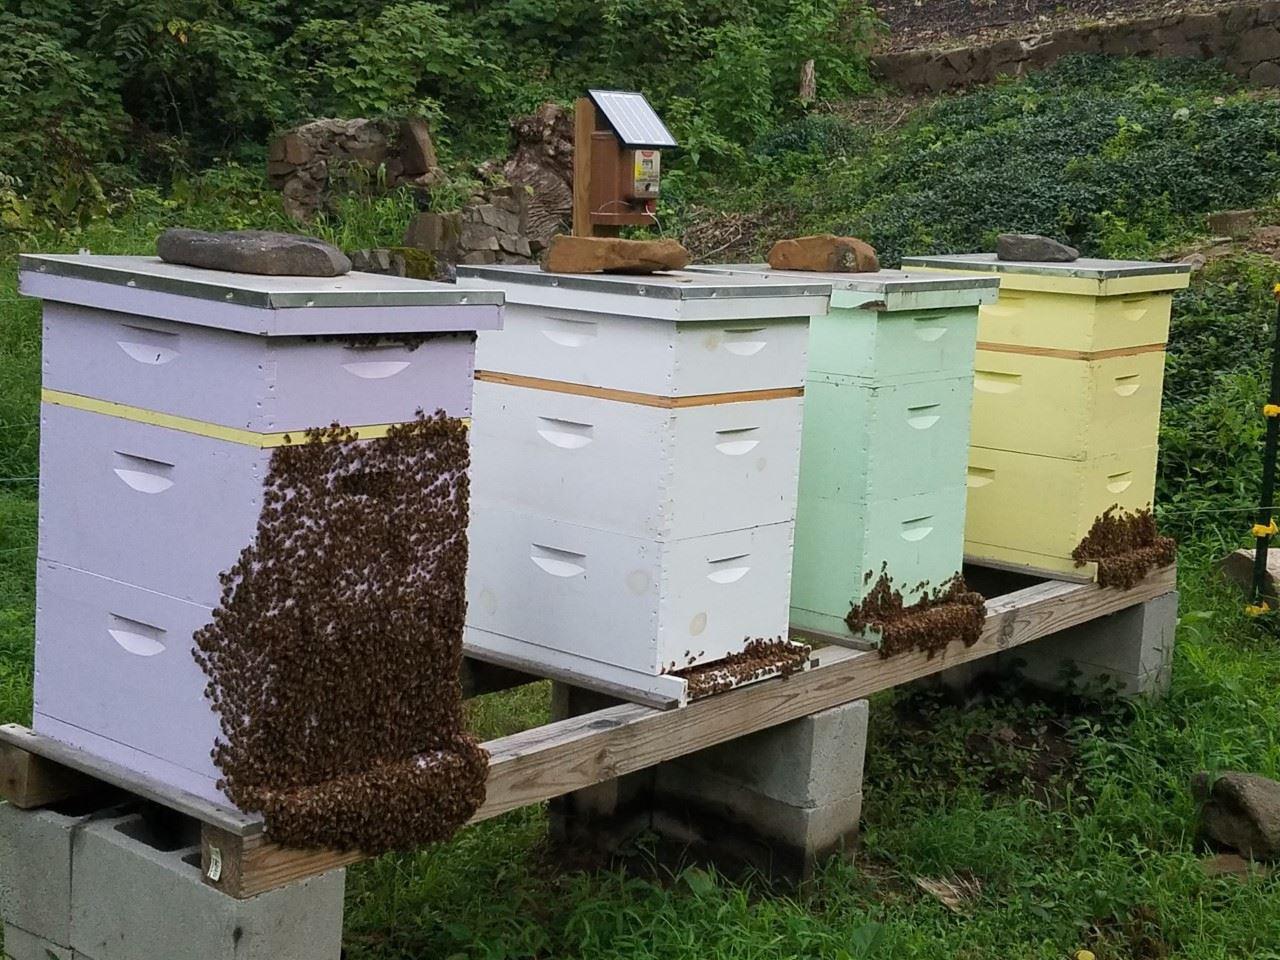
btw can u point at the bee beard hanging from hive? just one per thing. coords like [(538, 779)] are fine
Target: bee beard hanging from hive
[(949, 612), (1126, 546), (334, 656)]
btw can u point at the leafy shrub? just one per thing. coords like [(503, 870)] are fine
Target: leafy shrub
[(1216, 380), (169, 85), (819, 133), (1113, 156)]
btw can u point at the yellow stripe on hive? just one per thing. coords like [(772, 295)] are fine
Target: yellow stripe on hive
[(202, 428), (641, 399)]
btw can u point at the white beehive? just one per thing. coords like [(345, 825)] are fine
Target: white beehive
[(635, 459)]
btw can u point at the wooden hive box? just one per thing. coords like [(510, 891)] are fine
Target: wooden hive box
[(165, 391), (1066, 411), (886, 437), (635, 455)]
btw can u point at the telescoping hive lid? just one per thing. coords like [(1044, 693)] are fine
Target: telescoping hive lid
[(671, 295), (893, 289), (356, 303), (1085, 275)]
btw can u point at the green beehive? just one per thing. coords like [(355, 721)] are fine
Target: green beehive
[(885, 441)]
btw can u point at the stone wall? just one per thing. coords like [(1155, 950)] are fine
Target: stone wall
[(303, 162), (1245, 36)]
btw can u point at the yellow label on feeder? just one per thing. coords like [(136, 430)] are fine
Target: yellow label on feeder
[(1270, 530)]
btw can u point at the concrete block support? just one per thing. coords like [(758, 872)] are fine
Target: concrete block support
[(21, 945), (1130, 652), (781, 800), (35, 873), (137, 895)]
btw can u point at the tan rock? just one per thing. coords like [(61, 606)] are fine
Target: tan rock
[(417, 151), (824, 253), (610, 255)]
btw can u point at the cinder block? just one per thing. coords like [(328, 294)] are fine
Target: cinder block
[(807, 832), (811, 762), (21, 945), (780, 800), (137, 895), (35, 870), (1131, 650)]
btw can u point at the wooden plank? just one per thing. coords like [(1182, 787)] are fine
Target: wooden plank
[(1085, 573), (1030, 351), (128, 780), (555, 759), (641, 399), (561, 757), (584, 125), (29, 781)]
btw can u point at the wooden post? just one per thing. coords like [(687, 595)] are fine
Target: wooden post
[(584, 125), (28, 781)]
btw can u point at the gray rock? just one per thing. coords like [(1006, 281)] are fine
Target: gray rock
[(479, 236), (253, 251), (434, 232), (1241, 811), (1033, 248), (377, 260)]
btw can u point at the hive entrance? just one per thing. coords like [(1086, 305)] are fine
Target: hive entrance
[(757, 660), (948, 612), (333, 658), (1125, 546)]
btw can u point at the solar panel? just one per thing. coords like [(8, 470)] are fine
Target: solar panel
[(632, 119)]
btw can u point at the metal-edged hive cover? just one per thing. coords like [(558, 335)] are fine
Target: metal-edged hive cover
[(266, 292), (632, 119)]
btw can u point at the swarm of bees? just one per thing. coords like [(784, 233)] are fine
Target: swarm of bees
[(948, 612), (333, 658), (1126, 546), (759, 658)]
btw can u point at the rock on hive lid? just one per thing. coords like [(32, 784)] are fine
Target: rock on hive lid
[(356, 303)]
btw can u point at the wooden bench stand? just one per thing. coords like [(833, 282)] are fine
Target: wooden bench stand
[(555, 759)]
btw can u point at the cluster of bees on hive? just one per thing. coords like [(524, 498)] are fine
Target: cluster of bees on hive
[(758, 659), (334, 655), (1125, 546), (949, 612)]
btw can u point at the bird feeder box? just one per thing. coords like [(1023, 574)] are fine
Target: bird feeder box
[(635, 452), (886, 434), (1066, 406), (166, 391), (617, 162)]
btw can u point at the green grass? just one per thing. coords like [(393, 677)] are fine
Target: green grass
[(1099, 854)]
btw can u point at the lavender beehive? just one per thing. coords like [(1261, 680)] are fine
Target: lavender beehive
[(165, 391)]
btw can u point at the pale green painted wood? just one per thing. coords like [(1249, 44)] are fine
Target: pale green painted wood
[(883, 455), (885, 346)]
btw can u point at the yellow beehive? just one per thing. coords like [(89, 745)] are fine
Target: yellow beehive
[(1033, 511), (1073, 409), (1066, 410)]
